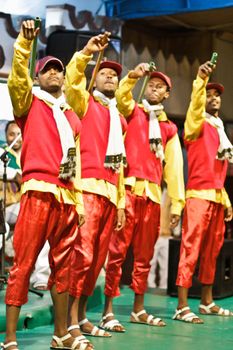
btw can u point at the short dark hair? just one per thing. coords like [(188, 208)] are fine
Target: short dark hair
[(8, 124)]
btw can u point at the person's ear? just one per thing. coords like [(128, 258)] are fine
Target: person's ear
[(36, 80), (167, 94)]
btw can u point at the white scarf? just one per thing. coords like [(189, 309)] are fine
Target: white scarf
[(225, 149), (155, 138), (68, 162), (115, 154)]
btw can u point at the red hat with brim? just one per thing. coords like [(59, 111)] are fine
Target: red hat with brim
[(216, 86), (41, 64), (162, 76), (117, 67)]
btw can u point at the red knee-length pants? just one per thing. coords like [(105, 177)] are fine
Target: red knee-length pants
[(92, 243), (141, 230), (202, 237), (41, 218)]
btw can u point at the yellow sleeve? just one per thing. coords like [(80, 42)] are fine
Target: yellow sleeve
[(173, 174), (121, 190), (19, 82), (75, 83), (124, 96), (77, 180), (196, 111), (226, 199)]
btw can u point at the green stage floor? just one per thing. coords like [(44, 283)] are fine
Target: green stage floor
[(215, 334)]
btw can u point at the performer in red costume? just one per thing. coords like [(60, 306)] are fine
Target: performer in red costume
[(102, 158), (153, 151), (207, 205), (49, 191)]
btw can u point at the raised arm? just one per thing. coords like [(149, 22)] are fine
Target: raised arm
[(75, 84), (196, 111), (124, 96), (19, 81)]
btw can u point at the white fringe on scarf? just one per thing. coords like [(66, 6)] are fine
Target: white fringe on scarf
[(115, 154), (225, 150), (155, 138)]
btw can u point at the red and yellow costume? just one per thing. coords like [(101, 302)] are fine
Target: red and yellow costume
[(143, 192), (203, 221), (49, 205), (103, 189)]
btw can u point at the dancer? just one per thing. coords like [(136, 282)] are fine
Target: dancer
[(207, 204), (49, 193), (102, 158), (153, 151)]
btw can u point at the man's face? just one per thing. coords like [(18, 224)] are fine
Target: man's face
[(51, 78), (213, 101), (12, 132), (156, 91), (107, 81)]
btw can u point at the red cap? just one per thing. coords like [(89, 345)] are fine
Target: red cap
[(162, 76), (113, 65), (216, 86), (40, 65)]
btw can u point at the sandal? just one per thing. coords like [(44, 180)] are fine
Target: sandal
[(95, 332), (81, 338), (189, 317), (150, 321), (111, 324), (7, 345), (220, 312), (60, 344)]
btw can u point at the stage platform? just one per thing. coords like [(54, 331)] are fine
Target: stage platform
[(216, 333)]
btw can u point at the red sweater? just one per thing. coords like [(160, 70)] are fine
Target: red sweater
[(204, 170), (142, 162), (94, 142), (41, 149)]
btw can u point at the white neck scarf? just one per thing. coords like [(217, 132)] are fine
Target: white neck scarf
[(68, 162), (155, 138), (225, 149), (115, 155)]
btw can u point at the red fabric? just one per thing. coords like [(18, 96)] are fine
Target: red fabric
[(202, 237), (94, 142), (92, 243), (41, 149), (137, 152), (205, 171), (141, 230), (41, 218)]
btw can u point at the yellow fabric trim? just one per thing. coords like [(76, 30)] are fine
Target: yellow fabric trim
[(100, 187), (61, 194), (124, 97), (19, 81), (217, 196), (141, 187), (75, 83), (196, 111), (173, 174)]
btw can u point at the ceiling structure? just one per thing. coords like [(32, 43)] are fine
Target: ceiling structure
[(175, 15), (213, 20)]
